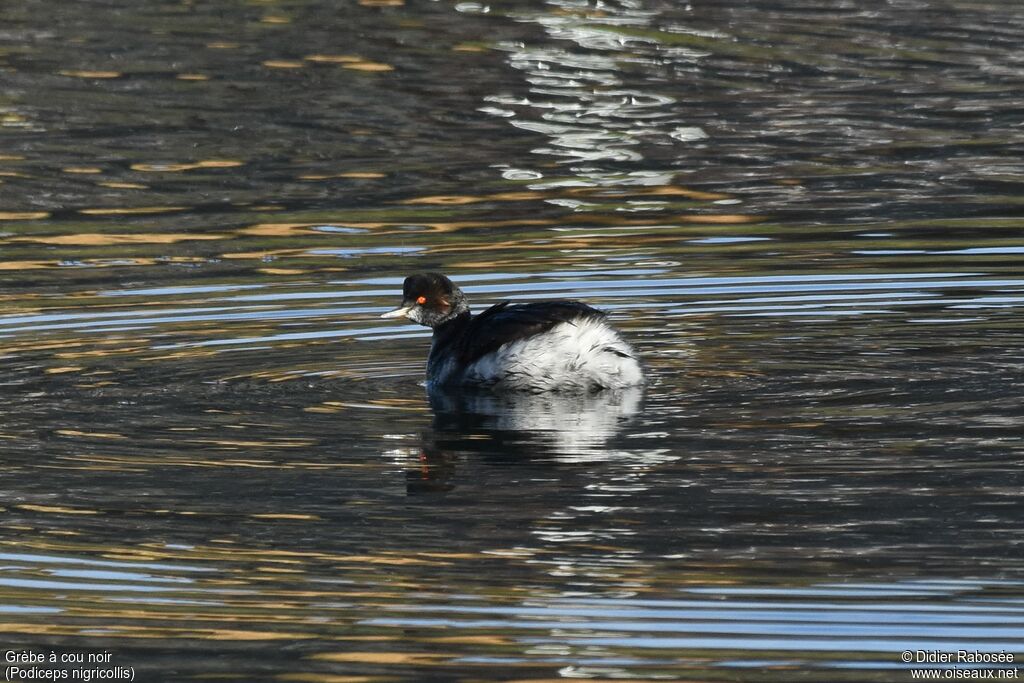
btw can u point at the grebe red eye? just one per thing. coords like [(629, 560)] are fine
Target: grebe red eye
[(421, 300)]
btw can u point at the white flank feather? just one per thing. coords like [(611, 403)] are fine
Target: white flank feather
[(583, 355)]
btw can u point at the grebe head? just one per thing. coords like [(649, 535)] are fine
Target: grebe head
[(429, 299)]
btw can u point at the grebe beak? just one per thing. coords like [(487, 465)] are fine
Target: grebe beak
[(402, 312)]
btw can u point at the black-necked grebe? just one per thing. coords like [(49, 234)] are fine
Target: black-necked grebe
[(545, 346)]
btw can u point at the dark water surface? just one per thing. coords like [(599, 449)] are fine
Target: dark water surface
[(220, 464)]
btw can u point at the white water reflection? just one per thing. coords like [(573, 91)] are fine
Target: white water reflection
[(842, 623), (352, 307), (573, 428), (578, 95)]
